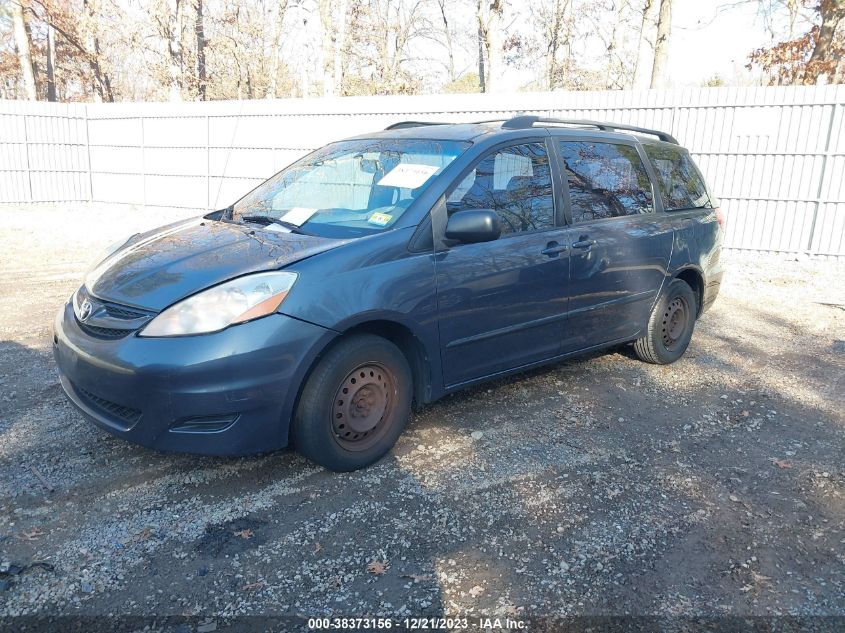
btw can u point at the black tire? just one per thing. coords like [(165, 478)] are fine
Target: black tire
[(670, 325), (355, 404)]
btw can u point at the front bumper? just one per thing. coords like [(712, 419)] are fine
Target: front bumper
[(228, 393)]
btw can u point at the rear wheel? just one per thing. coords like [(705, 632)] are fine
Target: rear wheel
[(354, 405), (670, 325)]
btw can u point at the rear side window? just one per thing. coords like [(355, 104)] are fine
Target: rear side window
[(678, 179), (606, 180), (516, 182)]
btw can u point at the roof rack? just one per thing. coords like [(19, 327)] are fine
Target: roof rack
[(403, 124), (528, 120), (525, 121)]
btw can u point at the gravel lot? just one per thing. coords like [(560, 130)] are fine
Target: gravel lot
[(712, 487)]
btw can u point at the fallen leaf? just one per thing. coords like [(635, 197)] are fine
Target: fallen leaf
[(245, 533), (418, 578), (254, 585), (759, 578), (476, 591), (33, 534), (782, 463), (377, 567), (144, 534), (317, 547)]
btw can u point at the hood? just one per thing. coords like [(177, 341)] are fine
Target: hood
[(154, 270)]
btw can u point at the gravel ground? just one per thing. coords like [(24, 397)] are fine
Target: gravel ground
[(603, 485)]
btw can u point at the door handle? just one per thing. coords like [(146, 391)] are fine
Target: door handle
[(553, 248), (584, 244)]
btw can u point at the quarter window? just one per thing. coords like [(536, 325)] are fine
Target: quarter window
[(514, 181), (679, 180), (606, 180)]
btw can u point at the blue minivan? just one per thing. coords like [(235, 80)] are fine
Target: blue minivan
[(386, 270)]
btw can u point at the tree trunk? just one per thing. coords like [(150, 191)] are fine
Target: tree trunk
[(645, 49), (447, 34), (823, 63), (493, 45), (174, 47), (615, 78), (200, 32), (101, 84), (661, 46), (340, 45), (482, 73), (51, 63), (276, 60), (24, 50), (328, 36)]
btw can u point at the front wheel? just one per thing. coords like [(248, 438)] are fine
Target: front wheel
[(354, 405), (670, 325)]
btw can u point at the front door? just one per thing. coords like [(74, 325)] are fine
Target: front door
[(501, 303)]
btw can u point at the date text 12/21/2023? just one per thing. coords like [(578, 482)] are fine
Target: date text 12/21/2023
[(417, 624)]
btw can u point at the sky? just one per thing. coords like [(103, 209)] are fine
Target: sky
[(709, 38), (708, 42)]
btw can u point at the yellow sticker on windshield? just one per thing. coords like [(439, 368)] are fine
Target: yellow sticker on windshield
[(380, 219)]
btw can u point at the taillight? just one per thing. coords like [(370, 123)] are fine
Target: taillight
[(720, 218)]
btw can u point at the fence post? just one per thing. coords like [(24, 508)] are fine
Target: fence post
[(26, 156), (88, 153), (207, 163), (818, 202), (143, 164)]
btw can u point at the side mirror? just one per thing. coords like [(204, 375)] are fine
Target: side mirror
[(474, 225)]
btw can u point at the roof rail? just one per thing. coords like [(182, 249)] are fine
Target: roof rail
[(527, 120), (403, 124)]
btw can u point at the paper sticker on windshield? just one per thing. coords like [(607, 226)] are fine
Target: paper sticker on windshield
[(298, 215), (407, 176), (380, 219)]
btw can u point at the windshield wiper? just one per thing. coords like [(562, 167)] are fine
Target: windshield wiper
[(267, 219)]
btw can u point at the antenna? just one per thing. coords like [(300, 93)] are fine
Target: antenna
[(228, 154)]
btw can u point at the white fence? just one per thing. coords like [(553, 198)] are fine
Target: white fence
[(775, 156)]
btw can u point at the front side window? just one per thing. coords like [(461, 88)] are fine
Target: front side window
[(678, 179), (606, 180), (516, 182), (348, 189)]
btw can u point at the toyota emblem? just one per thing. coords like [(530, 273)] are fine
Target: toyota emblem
[(85, 310)]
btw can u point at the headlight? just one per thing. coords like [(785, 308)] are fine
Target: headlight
[(235, 301)]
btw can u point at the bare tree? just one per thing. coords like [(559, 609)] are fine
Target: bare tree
[(557, 28), (276, 53), (174, 48), (490, 16), (200, 34), (447, 40), (24, 48), (340, 44), (51, 63), (659, 77), (645, 44)]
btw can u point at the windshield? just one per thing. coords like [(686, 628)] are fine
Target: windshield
[(348, 189)]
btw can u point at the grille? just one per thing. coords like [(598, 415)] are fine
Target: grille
[(127, 414), (102, 332), (124, 312), (101, 324)]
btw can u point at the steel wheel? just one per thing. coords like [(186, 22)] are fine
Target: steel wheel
[(362, 407), (675, 320)]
